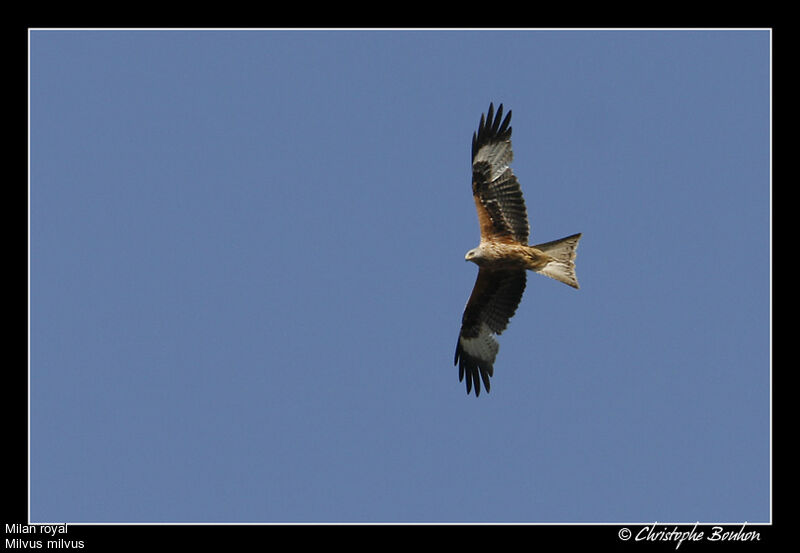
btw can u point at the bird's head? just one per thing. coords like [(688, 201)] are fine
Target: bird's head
[(475, 255)]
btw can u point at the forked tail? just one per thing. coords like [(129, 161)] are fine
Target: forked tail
[(562, 265)]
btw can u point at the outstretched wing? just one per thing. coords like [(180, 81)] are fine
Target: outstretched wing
[(498, 198), (491, 305)]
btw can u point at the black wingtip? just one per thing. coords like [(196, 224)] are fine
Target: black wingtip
[(474, 371), (491, 127)]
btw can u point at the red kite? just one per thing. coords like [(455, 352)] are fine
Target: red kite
[(503, 254)]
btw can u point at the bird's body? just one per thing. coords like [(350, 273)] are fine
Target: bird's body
[(503, 254), (554, 259), (509, 256)]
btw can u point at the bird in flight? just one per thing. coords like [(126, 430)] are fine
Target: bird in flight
[(503, 255)]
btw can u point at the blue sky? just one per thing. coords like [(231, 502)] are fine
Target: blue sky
[(247, 277)]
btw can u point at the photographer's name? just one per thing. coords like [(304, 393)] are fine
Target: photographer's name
[(716, 534)]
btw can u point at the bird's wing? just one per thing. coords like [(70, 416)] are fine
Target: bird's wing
[(491, 305), (502, 214)]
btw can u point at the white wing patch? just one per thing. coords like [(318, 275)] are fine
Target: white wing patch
[(498, 155), (483, 347)]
